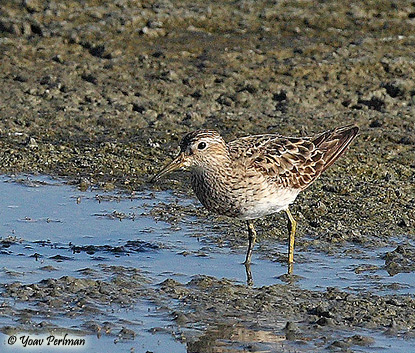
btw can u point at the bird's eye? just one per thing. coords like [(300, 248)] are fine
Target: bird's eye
[(201, 145)]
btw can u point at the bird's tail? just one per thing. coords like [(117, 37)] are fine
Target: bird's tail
[(334, 143)]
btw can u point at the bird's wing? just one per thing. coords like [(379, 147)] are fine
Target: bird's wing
[(292, 161)]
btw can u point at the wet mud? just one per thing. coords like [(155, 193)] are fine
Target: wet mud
[(101, 92), (284, 311), (93, 286)]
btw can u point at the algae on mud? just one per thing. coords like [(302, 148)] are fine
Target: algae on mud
[(101, 92)]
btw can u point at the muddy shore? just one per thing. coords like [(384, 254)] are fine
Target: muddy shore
[(101, 92)]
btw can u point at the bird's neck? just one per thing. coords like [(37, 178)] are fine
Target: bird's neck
[(214, 167)]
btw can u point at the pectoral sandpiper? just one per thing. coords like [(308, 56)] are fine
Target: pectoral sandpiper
[(258, 175)]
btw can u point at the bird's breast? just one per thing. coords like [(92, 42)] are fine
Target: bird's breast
[(216, 194)]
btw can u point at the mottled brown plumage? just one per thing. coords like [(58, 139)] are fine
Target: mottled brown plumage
[(254, 176), (292, 161)]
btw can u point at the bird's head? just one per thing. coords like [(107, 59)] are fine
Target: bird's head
[(199, 149)]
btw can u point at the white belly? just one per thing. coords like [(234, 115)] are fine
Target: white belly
[(275, 202)]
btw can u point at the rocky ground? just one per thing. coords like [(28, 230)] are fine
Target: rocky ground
[(102, 91)]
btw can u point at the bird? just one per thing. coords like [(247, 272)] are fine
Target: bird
[(256, 175)]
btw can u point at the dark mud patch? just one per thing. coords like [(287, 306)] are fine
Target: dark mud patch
[(67, 292), (115, 308), (284, 314), (130, 246), (402, 259)]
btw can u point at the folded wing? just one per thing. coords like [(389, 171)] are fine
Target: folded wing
[(290, 161)]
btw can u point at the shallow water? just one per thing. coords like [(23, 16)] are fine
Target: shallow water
[(58, 230)]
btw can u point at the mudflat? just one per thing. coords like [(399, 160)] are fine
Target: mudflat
[(101, 93)]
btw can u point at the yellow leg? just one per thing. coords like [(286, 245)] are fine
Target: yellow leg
[(292, 225), (251, 241)]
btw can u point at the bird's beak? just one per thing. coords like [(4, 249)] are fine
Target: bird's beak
[(177, 163)]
